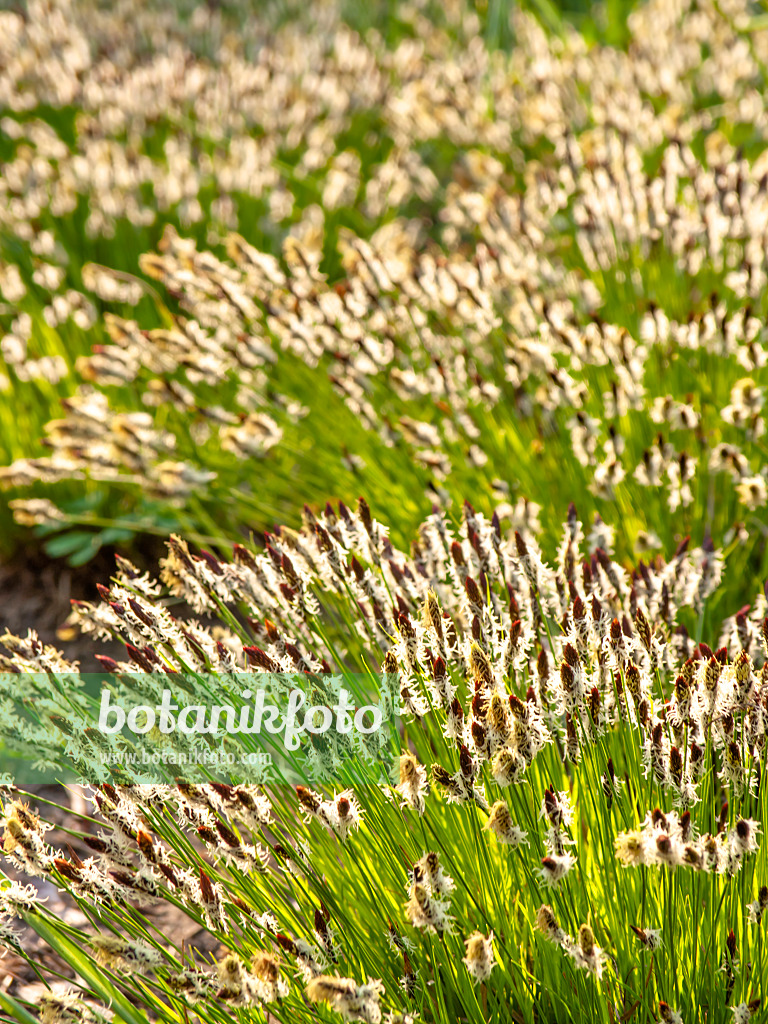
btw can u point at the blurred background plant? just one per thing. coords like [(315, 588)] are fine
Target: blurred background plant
[(568, 209)]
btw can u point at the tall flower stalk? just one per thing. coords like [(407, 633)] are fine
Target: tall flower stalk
[(573, 828)]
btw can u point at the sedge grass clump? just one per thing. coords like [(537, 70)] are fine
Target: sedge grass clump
[(559, 268), (571, 828)]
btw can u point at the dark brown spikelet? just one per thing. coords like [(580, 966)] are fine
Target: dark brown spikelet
[(618, 686), (324, 541), (570, 655), (322, 917), (632, 679), (140, 613), (566, 677), (67, 869), (307, 799), (457, 553), (515, 631), (364, 512), (643, 629), (479, 705), (432, 616), (228, 837), (95, 844), (659, 819), (692, 857), (260, 659), (676, 765), (146, 845), (241, 905), (356, 569), (405, 625), (571, 737), (170, 874), (552, 808), (696, 760), (712, 674), (451, 635), (682, 691), (123, 877), (473, 593), (109, 664), (139, 657), (742, 830), (211, 561), (288, 570), (286, 944), (730, 961), (224, 790), (441, 776), (664, 603), (609, 782), (542, 666), (586, 575), (479, 735), (517, 707), (242, 556), (107, 788), (685, 826), (266, 967), (409, 977), (206, 888), (74, 857), (664, 845), (271, 630), (480, 666)]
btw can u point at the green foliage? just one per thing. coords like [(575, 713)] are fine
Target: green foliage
[(589, 781), (514, 254)]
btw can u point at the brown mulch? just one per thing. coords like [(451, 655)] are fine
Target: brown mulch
[(35, 593)]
